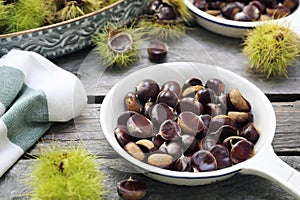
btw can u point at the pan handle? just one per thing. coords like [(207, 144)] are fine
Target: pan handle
[(268, 165)]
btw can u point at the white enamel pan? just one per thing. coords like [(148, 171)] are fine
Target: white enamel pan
[(264, 163)]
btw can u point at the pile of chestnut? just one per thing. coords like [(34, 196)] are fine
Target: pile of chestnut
[(247, 10), (193, 127)]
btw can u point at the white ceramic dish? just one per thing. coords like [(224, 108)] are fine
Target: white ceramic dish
[(236, 29), (264, 163)]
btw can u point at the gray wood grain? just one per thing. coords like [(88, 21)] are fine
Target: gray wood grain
[(239, 187), (198, 45)]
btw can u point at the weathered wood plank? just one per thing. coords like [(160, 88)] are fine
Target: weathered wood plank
[(237, 187), (198, 45)]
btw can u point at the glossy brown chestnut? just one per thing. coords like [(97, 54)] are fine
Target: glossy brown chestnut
[(206, 96), (192, 82), (157, 140), (206, 122), (131, 102), (230, 9), (190, 144), (189, 104), (214, 109), (153, 7), (122, 136), (241, 16), (231, 141), (204, 161), (216, 85), (157, 50), (139, 126), (241, 151), (183, 164), (131, 189), (124, 116), (190, 123), (259, 5), (147, 108), (173, 149), (169, 130), (146, 90), (168, 97), (226, 131), (173, 86), (220, 120), (250, 132), (238, 102), (216, 5), (160, 112), (221, 155), (201, 4), (208, 141), (252, 12), (166, 12)]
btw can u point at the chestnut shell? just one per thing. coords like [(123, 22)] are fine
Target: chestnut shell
[(131, 189)]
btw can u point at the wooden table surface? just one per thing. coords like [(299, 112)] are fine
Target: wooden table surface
[(198, 45)]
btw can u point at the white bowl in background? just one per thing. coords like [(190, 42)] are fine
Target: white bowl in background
[(236, 29)]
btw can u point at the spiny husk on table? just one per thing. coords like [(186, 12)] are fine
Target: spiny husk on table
[(72, 9), (271, 48), (182, 11), (70, 173), (111, 58), (167, 29), (162, 30)]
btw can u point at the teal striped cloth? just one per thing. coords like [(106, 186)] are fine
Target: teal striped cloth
[(34, 93)]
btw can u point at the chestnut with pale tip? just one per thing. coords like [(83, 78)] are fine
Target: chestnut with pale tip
[(146, 90), (157, 50), (131, 189)]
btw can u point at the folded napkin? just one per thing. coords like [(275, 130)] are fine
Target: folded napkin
[(34, 93)]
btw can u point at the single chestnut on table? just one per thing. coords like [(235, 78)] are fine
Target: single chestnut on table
[(157, 50), (131, 189)]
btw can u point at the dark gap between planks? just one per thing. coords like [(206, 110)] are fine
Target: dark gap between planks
[(98, 99)]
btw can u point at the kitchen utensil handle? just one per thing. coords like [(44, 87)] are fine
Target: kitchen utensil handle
[(268, 165)]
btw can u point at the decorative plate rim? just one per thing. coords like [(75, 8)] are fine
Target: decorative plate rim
[(15, 34)]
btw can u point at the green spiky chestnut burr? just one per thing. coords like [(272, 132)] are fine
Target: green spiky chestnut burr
[(271, 48), (4, 14), (69, 9), (165, 19), (118, 46), (66, 174), (26, 14)]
